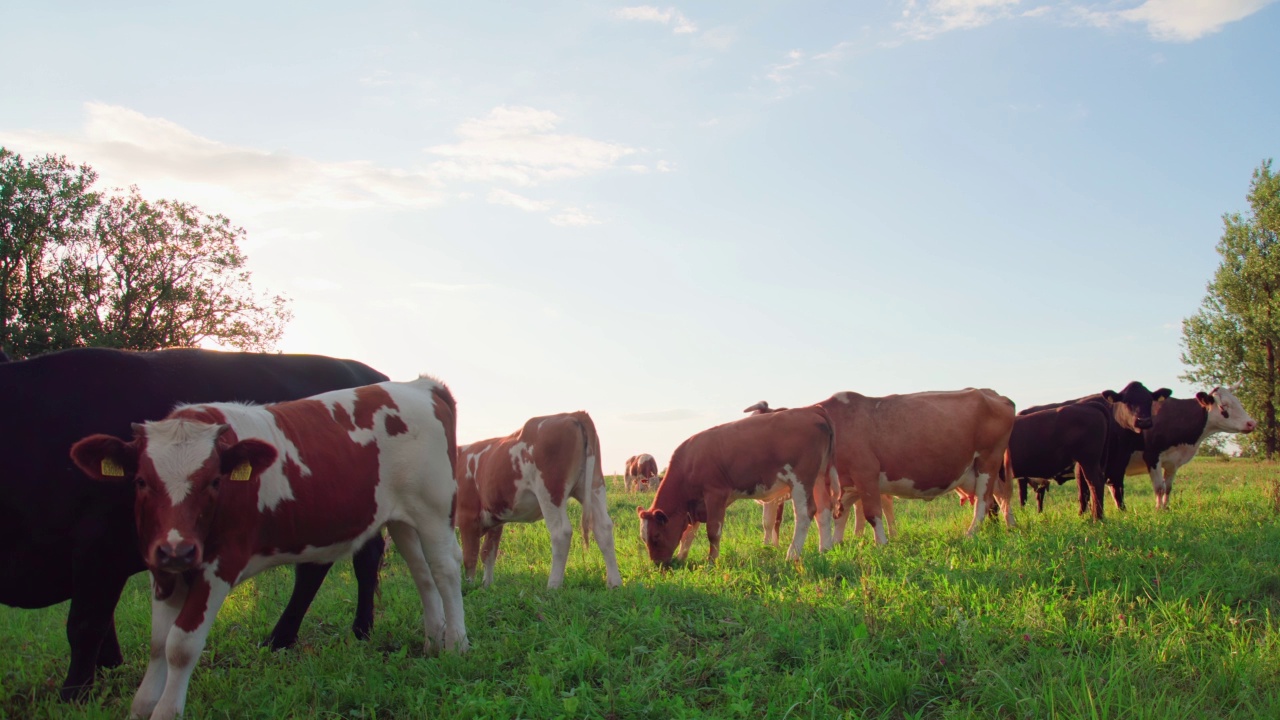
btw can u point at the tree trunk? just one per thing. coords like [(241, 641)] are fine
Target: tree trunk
[(1270, 390)]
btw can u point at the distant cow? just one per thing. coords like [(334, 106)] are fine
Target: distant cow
[(1129, 414), (640, 470), (225, 491), (1178, 428), (771, 519), (63, 536), (528, 476), (920, 445), (762, 457)]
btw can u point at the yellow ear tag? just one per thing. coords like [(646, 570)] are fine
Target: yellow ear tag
[(111, 468), (242, 472)]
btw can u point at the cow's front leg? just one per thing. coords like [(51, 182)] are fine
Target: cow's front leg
[(686, 540), (489, 551), (715, 525), (886, 511), (1157, 484), (89, 623), (186, 640), (1169, 472)]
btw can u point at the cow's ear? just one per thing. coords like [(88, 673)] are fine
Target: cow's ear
[(1162, 393), (107, 458), (1111, 396), (1205, 399), (247, 459), (642, 512), (659, 517)]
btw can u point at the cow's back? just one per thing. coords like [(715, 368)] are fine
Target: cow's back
[(48, 507), (754, 449)]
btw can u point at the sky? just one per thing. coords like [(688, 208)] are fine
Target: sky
[(662, 214)]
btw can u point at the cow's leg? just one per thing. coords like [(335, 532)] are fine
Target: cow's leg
[(1117, 493), (307, 578), (804, 504), (1157, 484), (1022, 490), (982, 485), (715, 524), (412, 548), (890, 522), (686, 540), (440, 548), (869, 490), (163, 615), (767, 511), (89, 622), (1082, 485), (1040, 491), (1169, 472), (469, 534), (366, 563), (561, 531), (182, 647), (109, 654), (489, 551), (595, 515)]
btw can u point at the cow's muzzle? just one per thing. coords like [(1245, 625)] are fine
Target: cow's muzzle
[(1143, 423), (179, 557)]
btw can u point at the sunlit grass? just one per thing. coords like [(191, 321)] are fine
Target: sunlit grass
[(1144, 616)]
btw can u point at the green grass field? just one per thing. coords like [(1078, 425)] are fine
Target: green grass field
[(1143, 616)]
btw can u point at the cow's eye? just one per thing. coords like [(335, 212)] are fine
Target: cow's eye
[(1224, 413), (214, 485), (140, 483)]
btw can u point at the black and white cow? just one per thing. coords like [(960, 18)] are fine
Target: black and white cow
[(64, 536)]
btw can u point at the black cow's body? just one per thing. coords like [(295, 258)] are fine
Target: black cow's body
[(1128, 412), (64, 536), (1048, 444)]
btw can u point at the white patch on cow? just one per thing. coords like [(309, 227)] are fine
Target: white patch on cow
[(174, 537), (1178, 455), (178, 448), (644, 531), (525, 506), (843, 397), (473, 461)]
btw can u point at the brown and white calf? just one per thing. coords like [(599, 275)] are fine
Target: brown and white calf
[(225, 491), (640, 470), (1177, 429), (528, 476), (771, 520), (762, 457), (920, 445)]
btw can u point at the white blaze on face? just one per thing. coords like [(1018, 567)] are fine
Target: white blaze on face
[(174, 537), (644, 531), (179, 448), (1237, 420)]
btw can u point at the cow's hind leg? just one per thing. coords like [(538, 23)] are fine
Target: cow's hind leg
[(307, 578), (89, 622), (561, 531), (886, 511), (445, 560), (412, 547), (366, 563), (596, 520), (489, 552)]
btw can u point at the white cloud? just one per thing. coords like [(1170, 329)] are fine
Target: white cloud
[(573, 217), (648, 13), (506, 197), (940, 16), (516, 145), (1187, 20), (165, 159)]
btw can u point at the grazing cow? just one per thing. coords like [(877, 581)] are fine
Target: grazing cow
[(1178, 428), (771, 519), (640, 470), (65, 537), (1046, 445), (1129, 413), (528, 476), (762, 457), (920, 445), (225, 491)]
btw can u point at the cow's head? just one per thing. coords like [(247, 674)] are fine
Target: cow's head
[(1226, 414), (180, 469), (661, 533), (1131, 407)]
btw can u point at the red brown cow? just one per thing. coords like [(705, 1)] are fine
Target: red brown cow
[(1177, 429), (920, 445), (528, 476), (762, 457), (640, 470), (225, 491)]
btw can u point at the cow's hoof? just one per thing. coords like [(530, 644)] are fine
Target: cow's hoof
[(74, 693), (282, 643)]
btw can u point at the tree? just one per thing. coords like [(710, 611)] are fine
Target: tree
[(80, 268), (1234, 339)]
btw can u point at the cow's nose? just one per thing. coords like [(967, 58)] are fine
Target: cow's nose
[(1143, 423), (181, 555), (1249, 426)]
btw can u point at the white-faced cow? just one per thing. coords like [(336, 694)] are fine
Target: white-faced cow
[(1129, 415), (225, 491), (1178, 428), (65, 537), (771, 520), (528, 476), (640, 470), (920, 445), (762, 457)]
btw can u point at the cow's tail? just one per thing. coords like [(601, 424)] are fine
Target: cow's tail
[(827, 473), (592, 472)]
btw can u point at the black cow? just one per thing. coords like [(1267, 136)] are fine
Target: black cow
[(64, 536), (1048, 444), (1128, 413)]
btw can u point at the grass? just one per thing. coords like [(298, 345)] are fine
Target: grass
[(1146, 615)]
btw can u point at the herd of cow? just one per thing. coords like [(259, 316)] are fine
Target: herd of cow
[(207, 468)]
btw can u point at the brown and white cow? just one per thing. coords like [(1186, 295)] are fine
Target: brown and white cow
[(640, 470), (1177, 429), (225, 491), (771, 520), (920, 445), (528, 476), (762, 457)]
